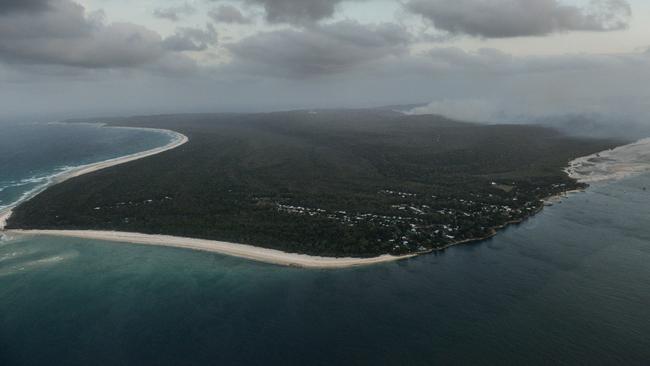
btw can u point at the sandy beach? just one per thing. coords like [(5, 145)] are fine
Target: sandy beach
[(236, 250), (614, 164), (179, 139)]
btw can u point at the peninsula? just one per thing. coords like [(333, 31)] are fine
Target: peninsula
[(330, 188)]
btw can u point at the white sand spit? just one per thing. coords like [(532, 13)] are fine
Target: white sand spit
[(179, 139), (236, 250)]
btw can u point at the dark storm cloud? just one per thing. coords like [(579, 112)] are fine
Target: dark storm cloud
[(65, 34), (8, 6), (297, 11), (516, 18), (228, 14), (174, 13), (322, 49)]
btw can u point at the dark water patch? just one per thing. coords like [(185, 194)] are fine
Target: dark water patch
[(570, 286)]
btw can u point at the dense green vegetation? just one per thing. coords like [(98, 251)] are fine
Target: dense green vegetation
[(354, 182)]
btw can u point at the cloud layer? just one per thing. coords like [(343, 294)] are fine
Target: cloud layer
[(518, 18), (191, 39), (321, 49), (174, 13), (210, 55), (228, 14), (61, 32), (9, 6)]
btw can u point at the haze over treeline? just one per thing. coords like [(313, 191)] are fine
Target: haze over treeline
[(492, 60)]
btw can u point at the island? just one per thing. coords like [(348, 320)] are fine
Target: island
[(361, 183)]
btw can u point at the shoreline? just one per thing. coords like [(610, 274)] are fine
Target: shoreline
[(247, 251), (614, 164), (178, 140), (259, 254), (232, 249)]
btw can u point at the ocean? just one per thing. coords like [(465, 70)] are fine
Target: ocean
[(569, 286), (31, 155)]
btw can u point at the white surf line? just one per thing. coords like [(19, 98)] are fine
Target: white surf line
[(4, 216), (618, 163), (178, 140), (245, 251)]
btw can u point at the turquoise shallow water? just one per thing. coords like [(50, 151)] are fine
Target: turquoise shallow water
[(570, 286)]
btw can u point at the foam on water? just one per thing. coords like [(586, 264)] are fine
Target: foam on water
[(23, 266), (17, 257), (38, 182)]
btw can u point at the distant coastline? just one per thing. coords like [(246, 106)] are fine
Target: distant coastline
[(577, 169), (614, 164)]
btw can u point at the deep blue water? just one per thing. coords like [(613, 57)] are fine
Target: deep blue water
[(570, 286)]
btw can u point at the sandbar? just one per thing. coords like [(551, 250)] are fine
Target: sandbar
[(232, 249), (615, 164)]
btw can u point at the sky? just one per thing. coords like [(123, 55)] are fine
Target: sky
[(484, 60)]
